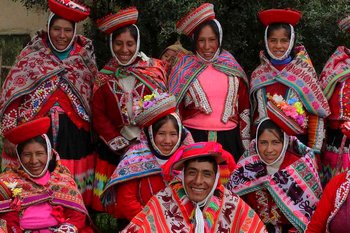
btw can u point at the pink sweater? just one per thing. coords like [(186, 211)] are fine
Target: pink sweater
[(214, 84)]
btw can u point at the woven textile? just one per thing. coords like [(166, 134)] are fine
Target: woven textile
[(171, 211), (344, 24), (122, 18), (296, 189), (299, 75), (194, 18), (271, 16)]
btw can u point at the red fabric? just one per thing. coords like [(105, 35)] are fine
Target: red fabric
[(62, 99), (251, 198), (107, 119), (133, 195), (325, 206), (271, 16)]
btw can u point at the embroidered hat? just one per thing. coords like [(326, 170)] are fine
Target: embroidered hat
[(28, 130), (196, 150), (194, 18), (344, 24), (288, 115), (69, 10), (153, 107), (288, 16), (112, 22)]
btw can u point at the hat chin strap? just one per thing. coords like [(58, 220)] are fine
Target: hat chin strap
[(220, 43), (290, 47), (48, 35), (49, 157), (136, 54)]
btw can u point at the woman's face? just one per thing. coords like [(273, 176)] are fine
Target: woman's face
[(278, 42), (34, 157), (61, 33), (269, 146), (207, 43), (166, 137), (124, 46)]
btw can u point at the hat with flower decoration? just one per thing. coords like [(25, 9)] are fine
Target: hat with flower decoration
[(69, 10), (194, 18), (289, 115), (344, 24), (153, 107), (28, 130), (122, 18), (271, 16)]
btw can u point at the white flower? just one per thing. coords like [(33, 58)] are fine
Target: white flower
[(11, 185)]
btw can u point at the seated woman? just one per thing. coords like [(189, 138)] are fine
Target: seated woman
[(277, 177), (137, 177), (40, 195)]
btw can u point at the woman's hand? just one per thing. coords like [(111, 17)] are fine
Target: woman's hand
[(9, 148)]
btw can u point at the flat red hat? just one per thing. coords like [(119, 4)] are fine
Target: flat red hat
[(69, 10), (271, 16), (194, 18), (28, 130), (122, 18)]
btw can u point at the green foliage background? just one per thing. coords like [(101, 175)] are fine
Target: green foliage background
[(243, 34)]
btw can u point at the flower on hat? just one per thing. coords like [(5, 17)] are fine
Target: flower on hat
[(148, 101), (291, 108)]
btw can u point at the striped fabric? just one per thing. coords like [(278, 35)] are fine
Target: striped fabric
[(194, 18), (172, 211), (122, 18), (344, 24)]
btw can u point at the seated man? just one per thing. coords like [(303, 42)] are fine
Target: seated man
[(196, 201)]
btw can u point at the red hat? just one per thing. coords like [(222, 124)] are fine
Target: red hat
[(270, 16), (122, 18), (196, 150), (69, 10), (344, 24), (194, 18), (28, 130), (286, 123), (153, 107)]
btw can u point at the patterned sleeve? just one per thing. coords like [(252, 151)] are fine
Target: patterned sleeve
[(244, 113), (316, 132)]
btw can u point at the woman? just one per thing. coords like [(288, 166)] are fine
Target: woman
[(222, 102), (332, 211), (138, 176), (334, 81), (286, 72), (53, 77), (125, 79), (39, 195), (277, 177)]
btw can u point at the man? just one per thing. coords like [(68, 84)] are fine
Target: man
[(195, 201)]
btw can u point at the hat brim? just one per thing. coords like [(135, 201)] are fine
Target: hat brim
[(179, 165), (28, 130), (68, 13), (271, 16)]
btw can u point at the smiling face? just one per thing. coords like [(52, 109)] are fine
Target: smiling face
[(278, 42), (34, 157), (269, 145), (207, 43), (61, 33), (199, 179), (166, 137), (124, 46)]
